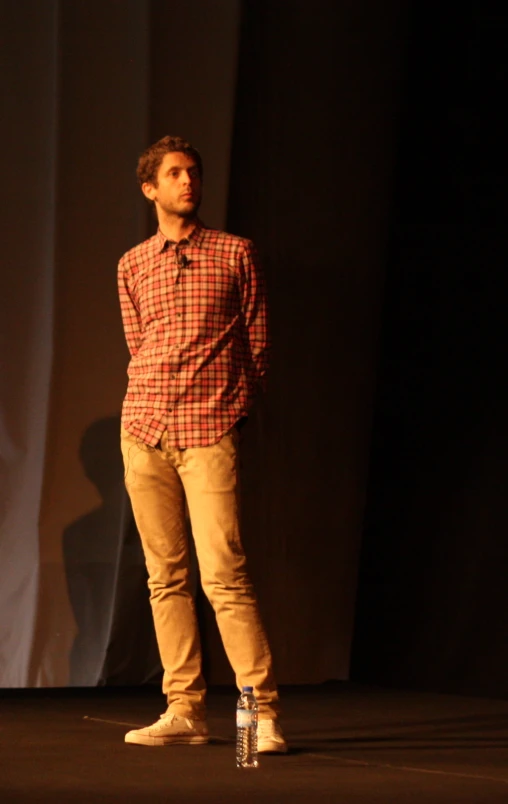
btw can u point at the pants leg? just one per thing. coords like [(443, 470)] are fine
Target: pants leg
[(157, 498), (210, 479)]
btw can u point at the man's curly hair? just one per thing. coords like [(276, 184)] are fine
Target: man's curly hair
[(151, 159)]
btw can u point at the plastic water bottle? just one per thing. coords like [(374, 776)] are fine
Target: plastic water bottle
[(247, 730)]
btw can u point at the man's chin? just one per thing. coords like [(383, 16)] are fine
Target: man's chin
[(189, 210)]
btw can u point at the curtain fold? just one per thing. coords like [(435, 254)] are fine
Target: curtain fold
[(29, 81)]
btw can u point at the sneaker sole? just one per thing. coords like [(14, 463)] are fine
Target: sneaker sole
[(183, 739)]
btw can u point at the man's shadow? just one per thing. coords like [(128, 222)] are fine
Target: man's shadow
[(106, 575)]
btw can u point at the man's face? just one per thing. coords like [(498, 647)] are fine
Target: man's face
[(178, 187)]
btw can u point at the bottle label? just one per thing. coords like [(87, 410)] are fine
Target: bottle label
[(245, 718)]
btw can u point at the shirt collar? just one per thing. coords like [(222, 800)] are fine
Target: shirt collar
[(195, 238)]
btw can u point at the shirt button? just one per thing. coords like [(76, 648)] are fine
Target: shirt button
[(178, 315), (170, 410)]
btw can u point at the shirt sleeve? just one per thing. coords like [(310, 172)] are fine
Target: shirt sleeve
[(255, 315), (130, 313)]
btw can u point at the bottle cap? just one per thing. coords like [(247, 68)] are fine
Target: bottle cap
[(247, 689)]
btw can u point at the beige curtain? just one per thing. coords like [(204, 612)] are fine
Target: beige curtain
[(80, 105)]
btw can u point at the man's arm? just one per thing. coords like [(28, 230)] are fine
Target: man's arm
[(130, 313), (255, 315)]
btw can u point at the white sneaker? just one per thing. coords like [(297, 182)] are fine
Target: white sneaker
[(270, 738), (170, 729)]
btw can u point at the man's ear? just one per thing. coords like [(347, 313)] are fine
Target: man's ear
[(148, 190)]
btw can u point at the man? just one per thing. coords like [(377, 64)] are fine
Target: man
[(194, 313)]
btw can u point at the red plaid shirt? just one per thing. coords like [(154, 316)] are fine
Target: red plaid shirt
[(194, 315)]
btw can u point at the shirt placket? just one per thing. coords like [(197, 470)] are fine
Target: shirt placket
[(178, 272)]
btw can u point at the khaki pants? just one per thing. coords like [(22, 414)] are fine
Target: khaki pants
[(157, 480)]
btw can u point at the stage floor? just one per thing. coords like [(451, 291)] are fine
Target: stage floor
[(349, 744)]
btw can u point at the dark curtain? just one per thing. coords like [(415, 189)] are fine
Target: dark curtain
[(311, 184), (433, 604)]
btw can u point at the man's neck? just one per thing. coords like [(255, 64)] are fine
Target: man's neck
[(176, 228)]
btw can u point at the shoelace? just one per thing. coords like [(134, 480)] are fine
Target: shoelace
[(167, 719), (164, 720)]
